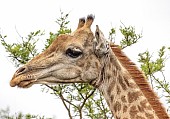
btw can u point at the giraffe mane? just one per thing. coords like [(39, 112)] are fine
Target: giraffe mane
[(141, 81)]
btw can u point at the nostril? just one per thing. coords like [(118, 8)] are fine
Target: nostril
[(21, 70)]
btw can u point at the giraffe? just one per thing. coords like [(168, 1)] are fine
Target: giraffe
[(84, 57)]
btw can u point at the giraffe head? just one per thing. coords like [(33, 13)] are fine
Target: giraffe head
[(69, 59)]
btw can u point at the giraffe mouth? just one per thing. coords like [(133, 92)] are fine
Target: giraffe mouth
[(23, 82)]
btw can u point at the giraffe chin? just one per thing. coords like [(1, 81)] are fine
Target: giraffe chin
[(26, 84)]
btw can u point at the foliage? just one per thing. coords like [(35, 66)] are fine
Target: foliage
[(22, 52), (154, 71), (82, 100), (112, 34), (129, 34), (130, 37), (5, 114)]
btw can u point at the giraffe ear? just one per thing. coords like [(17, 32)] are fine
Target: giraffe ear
[(101, 45)]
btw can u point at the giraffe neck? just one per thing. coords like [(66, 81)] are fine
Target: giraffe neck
[(122, 94)]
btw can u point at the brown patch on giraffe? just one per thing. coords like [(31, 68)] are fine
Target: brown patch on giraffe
[(132, 85), (118, 90), (112, 97), (123, 98), (141, 109), (133, 112), (111, 86), (109, 76), (125, 108), (97, 65), (149, 116), (114, 72), (126, 81), (117, 117), (120, 78), (133, 96), (117, 106), (144, 104), (125, 118), (140, 117)]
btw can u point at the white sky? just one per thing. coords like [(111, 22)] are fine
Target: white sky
[(152, 17)]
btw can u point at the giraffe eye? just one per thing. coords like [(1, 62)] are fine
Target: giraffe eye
[(73, 52)]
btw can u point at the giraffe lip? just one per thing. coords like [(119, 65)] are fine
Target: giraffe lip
[(26, 83)]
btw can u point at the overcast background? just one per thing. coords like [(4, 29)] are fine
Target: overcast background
[(151, 17)]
